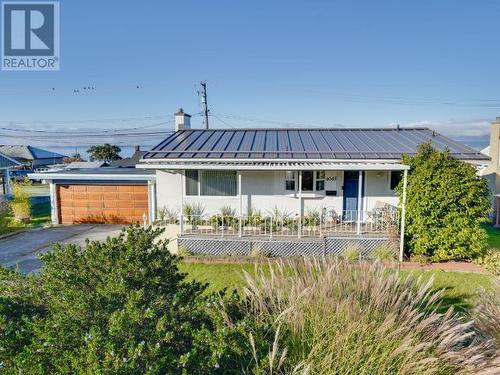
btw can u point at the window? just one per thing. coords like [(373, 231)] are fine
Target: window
[(307, 180), (191, 182), (218, 183), (320, 180), (396, 177), (290, 180)]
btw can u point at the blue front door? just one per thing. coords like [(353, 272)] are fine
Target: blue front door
[(351, 185)]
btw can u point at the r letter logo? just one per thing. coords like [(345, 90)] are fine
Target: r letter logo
[(30, 36)]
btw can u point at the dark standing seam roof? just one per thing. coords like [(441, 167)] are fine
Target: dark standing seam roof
[(6, 162), (328, 144)]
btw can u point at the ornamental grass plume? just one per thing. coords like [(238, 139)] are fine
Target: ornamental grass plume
[(336, 317)]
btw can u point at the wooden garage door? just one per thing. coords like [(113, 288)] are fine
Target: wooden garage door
[(120, 204)]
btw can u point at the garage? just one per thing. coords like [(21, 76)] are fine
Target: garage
[(101, 203), (101, 195)]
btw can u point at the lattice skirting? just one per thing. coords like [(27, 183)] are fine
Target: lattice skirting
[(278, 248)]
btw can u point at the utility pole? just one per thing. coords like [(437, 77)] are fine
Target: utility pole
[(204, 102)]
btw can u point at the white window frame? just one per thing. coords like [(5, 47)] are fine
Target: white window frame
[(389, 174), (200, 177), (295, 183), (316, 179)]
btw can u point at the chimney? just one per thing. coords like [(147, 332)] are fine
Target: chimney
[(495, 143), (182, 120), (137, 148)]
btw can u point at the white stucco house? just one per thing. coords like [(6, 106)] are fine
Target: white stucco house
[(234, 188)]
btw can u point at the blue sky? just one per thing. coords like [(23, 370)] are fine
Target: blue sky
[(318, 62)]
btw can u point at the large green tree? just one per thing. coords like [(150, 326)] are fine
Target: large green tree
[(106, 153), (446, 204)]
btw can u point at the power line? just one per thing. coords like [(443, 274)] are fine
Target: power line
[(225, 123), (282, 123)]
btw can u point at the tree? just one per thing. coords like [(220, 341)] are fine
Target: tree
[(115, 307), (106, 153), (446, 204)]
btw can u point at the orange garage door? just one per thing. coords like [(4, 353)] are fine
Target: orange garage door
[(120, 204)]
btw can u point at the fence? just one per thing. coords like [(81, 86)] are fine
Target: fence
[(311, 225), (335, 246)]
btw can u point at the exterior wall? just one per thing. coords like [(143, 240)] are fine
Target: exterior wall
[(265, 190)]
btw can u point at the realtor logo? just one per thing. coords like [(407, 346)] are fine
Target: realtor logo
[(30, 36)]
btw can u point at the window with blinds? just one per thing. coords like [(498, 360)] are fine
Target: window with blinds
[(191, 182), (218, 183), (214, 183)]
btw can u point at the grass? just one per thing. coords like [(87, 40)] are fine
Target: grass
[(40, 216), (493, 236), (461, 288)]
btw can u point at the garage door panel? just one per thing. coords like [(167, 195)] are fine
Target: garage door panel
[(102, 203)]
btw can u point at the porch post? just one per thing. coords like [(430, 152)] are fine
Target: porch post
[(152, 201), (8, 186), (360, 196), (182, 202), (54, 209), (240, 224), (300, 205), (403, 212)]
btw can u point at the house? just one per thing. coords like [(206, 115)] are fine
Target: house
[(283, 191), (30, 156), (492, 170), (5, 164), (130, 162), (85, 165)]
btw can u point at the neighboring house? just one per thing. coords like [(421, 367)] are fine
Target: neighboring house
[(130, 162), (5, 164), (322, 189), (85, 165), (30, 156), (492, 171)]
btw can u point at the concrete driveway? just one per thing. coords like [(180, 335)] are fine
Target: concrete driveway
[(22, 249)]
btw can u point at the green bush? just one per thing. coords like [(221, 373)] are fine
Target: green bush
[(491, 261), (351, 253), (383, 253), (446, 204), (115, 307), (20, 204)]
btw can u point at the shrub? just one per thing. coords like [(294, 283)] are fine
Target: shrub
[(183, 251), (446, 204), (115, 307), (167, 215), (20, 204), (333, 317), (383, 253), (351, 253), (491, 261)]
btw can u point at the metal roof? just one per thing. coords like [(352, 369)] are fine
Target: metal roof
[(105, 173), (279, 166), (24, 152), (304, 144), (6, 162)]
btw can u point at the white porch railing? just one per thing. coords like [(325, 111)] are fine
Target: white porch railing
[(310, 225)]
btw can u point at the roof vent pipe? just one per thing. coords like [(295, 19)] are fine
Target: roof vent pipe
[(182, 120)]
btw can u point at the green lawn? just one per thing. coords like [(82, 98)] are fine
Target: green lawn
[(460, 288), (493, 236), (40, 216)]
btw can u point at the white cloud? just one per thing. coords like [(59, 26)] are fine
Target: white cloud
[(456, 128)]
